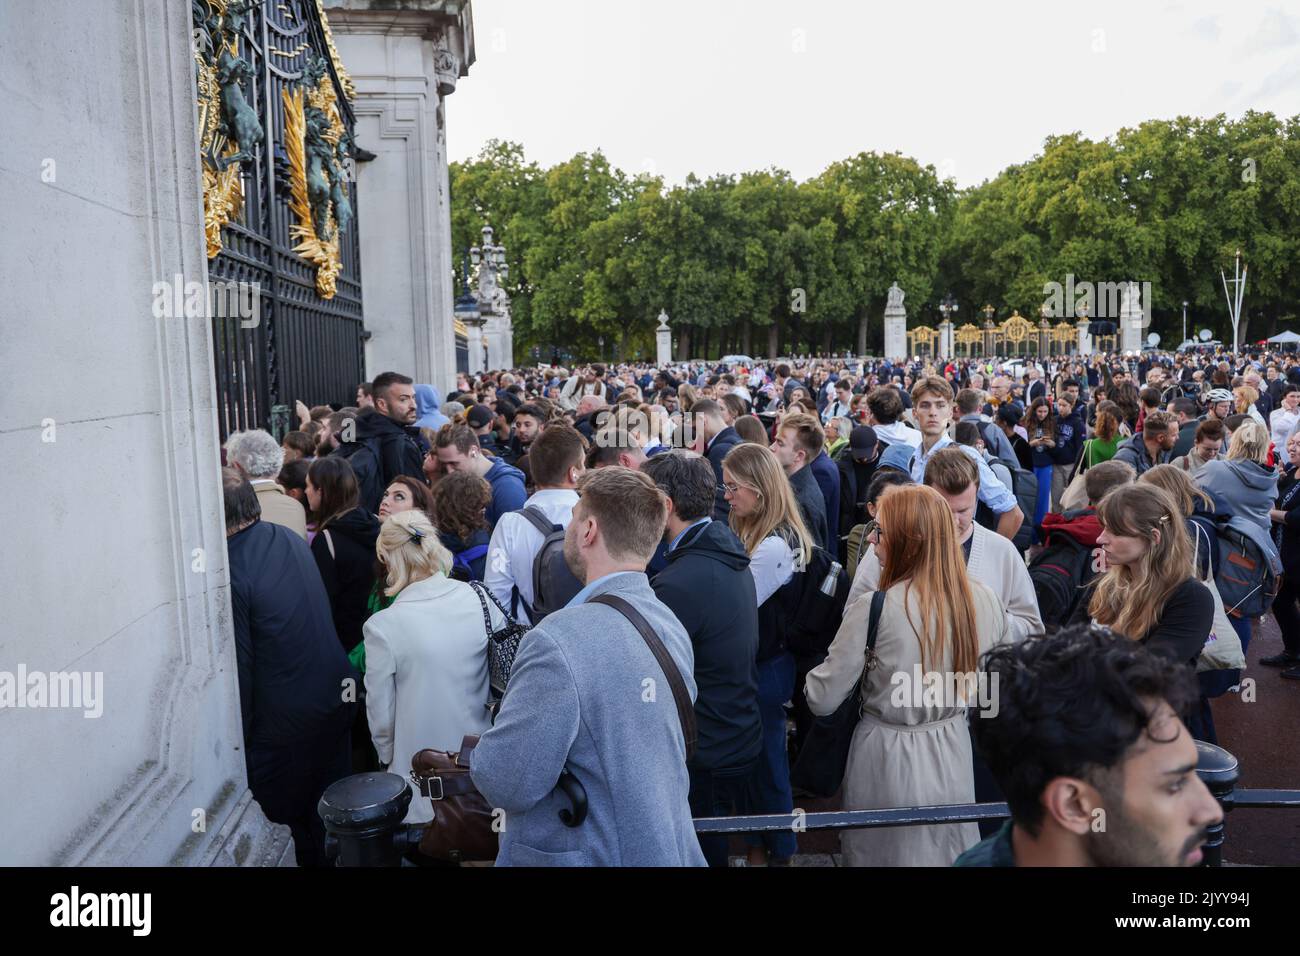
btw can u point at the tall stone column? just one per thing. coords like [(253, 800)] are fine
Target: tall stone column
[(895, 325), (663, 341), (404, 64), (124, 581), (1132, 318), (945, 340), (1085, 340)]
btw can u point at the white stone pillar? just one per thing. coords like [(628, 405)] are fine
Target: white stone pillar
[(945, 340), (474, 341), (123, 576), (1132, 317), (663, 341), (404, 63), (895, 332), (1085, 340)]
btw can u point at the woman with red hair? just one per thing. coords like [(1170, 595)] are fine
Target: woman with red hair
[(912, 746)]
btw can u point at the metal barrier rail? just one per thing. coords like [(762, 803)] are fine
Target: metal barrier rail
[(363, 813), (923, 816)]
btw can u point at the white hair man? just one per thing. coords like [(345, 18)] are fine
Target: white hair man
[(258, 457)]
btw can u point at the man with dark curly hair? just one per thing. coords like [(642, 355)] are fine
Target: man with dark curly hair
[(1088, 744)]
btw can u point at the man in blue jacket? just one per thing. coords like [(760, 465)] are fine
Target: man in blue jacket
[(708, 585), (297, 691), (458, 449), (589, 697)]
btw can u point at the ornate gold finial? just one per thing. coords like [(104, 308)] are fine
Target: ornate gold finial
[(345, 80)]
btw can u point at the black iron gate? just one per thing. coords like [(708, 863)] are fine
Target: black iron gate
[(268, 192)]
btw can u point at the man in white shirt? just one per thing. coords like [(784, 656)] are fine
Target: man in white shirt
[(590, 381), (932, 405), (556, 461), (842, 406)]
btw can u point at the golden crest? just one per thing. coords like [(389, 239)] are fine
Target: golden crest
[(323, 254), (223, 189)]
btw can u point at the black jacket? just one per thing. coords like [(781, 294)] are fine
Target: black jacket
[(1286, 535), (291, 667), (854, 479), (811, 502), (348, 573), (383, 449), (707, 584), (723, 442)]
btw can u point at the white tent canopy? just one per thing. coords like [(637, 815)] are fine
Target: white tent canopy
[(1285, 338)]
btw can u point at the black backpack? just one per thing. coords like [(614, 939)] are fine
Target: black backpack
[(812, 615), (1060, 572), (554, 584), (364, 457)]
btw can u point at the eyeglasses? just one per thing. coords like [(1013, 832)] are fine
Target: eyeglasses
[(731, 488)]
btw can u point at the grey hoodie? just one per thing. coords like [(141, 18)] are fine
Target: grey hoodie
[(1247, 486)]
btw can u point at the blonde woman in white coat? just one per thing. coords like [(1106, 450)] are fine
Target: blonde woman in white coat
[(426, 654), (912, 746)]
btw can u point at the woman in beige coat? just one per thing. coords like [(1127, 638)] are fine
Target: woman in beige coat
[(912, 746)]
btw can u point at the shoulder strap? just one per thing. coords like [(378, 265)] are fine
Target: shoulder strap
[(537, 519), (873, 622), (487, 615), (685, 710), (473, 554)]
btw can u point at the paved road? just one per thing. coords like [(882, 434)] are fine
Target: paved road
[(1264, 734)]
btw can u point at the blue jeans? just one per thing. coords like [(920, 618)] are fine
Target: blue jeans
[(770, 788), (1043, 504)]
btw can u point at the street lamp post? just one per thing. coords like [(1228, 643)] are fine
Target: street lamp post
[(493, 302), (948, 307), (1184, 320)]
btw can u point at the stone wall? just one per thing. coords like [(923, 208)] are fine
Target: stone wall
[(114, 561)]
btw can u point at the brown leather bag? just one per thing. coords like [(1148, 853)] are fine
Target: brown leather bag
[(461, 830)]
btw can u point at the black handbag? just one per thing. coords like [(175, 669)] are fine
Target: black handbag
[(503, 644), (819, 768)]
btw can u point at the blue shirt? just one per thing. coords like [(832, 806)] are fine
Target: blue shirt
[(992, 491), (694, 524), (581, 596)]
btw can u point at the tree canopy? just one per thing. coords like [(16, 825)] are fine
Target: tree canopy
[(763, 264)]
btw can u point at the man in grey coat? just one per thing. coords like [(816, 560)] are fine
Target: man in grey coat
[(587, 695)]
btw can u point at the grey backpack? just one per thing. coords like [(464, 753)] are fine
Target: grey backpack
[(554, 584)]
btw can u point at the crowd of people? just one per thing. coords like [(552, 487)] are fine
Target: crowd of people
[(1089, 540)]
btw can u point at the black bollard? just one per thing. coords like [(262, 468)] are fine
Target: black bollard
[(1219, 771), (362, 816)]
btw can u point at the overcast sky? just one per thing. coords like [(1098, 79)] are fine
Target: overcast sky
[(706, 86)]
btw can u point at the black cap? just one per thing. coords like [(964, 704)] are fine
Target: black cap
[(478, 416), (1010, 414), (862, 441)]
